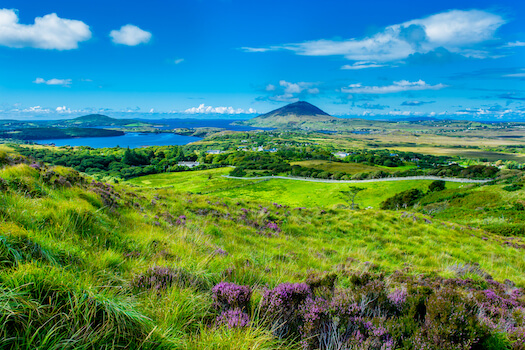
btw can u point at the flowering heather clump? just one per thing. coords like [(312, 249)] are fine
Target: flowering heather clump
[(278, 206), (230, 296), (244, 210), (161, 277), (451, 321), (234, 318), (273, 227), (35, 166), (280, 306), (397, 298), (181, 221), (107, 193), (157, 277)]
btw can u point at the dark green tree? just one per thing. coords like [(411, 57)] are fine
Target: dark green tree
[(350, 194)]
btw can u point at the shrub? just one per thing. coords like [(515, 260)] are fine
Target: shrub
[(280, 308), (234, 318), (438, 185), (513, 187), (403, 199), (451, 321), (228, 296)]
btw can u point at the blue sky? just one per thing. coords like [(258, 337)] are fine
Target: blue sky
[(462, 59)]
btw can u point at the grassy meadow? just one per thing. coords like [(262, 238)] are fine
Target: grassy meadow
[(136, 265), (290, 192)]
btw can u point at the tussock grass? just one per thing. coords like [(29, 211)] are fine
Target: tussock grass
[(68, 262)]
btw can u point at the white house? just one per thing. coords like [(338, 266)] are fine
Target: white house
[(189, 164), (341, 154)]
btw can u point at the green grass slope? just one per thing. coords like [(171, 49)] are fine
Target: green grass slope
[(77, 257), (289, 192)]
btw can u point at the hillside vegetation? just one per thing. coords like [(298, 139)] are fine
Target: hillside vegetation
[(90, 265)]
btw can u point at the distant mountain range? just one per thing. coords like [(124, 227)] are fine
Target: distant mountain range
[(94, 120), (92, 125)]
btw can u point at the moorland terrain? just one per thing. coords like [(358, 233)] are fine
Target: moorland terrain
[(156, 248)]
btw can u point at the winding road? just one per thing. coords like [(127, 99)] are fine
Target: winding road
[(449, 179)]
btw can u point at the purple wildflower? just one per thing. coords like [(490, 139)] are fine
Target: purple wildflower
[(230, 295), (220, 251), (397, 298), (234, 318)]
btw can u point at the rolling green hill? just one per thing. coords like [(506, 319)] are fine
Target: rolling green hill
[(90, 265)]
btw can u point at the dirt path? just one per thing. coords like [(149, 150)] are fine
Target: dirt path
[(449, 179)]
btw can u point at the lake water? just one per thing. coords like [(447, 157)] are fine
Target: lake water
[(131, 140), (134, 140)]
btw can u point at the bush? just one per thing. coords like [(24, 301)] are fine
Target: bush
[(451, 322), (280, 308), (513, 187), (435, 186), (403, 199)]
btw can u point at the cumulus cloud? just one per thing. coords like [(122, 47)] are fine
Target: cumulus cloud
[(62, 109), (457, 31), (49, 32), (203, 109), (397, 86), (515, 44), (54, 81), (416, 103), (287, 91), (36, 109), (130, 35)]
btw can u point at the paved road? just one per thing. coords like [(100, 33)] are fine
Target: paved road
[(449, 179)]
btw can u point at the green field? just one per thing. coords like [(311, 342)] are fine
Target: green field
[(288, 192), (78, 255)]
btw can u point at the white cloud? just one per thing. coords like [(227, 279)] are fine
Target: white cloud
[(63, 109), (48, 32), (287, 91), (296, 88), (36, 109), (397, 86), (178, 60), (516, 75), (362, 65), (203, 109), (130, 35), (455, 30), (255, 49), (54, 81), (515, 44)]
